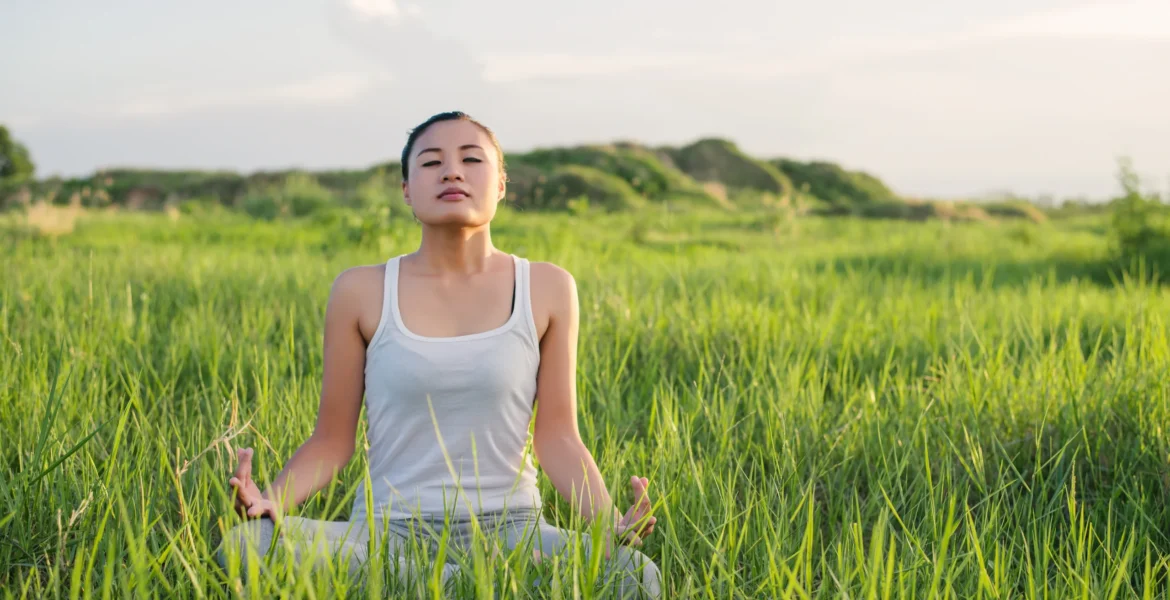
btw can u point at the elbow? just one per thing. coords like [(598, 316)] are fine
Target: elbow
[(547, 445), (337, 453)]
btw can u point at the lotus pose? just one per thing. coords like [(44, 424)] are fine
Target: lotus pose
[(457, 348)]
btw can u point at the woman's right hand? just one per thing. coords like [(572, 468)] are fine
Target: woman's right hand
[(250, 502)]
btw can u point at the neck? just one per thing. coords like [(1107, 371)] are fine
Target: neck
[(457, 250)]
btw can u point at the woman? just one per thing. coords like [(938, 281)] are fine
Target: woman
[(457, 348)]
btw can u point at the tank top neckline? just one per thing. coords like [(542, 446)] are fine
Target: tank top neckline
[(517, 286)]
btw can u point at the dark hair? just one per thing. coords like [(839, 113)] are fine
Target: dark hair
[(454, 115)]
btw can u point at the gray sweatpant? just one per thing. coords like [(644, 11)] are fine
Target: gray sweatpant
[(628, 572)]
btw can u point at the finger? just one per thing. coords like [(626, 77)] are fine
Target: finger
[(639, 490), (241, 488), (244, 471), (238, 489)]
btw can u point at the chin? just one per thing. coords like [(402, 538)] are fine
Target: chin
[(455, 218)]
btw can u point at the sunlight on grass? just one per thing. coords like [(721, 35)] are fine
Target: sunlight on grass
[(825, 408)]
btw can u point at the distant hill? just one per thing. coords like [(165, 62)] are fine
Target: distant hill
[(834, 184), (617, 176)]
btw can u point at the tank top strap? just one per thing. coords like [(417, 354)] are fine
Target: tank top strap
[(389, 301), (524, 296)]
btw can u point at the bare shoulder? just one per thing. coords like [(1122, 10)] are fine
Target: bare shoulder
[(552, 278), (357, 281), (356, 295), (554, 295)]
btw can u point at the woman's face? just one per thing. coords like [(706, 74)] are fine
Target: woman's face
[(454, 176)]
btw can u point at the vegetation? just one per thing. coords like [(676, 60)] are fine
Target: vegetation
[(1140, 225), (825, 407), (575, 186), (834, 184), (16, 166), (721, 161), (706, 173)]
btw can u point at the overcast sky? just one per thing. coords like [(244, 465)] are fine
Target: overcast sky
[(938, 97)]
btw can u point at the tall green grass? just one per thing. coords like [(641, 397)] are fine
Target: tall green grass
[(824, 408)]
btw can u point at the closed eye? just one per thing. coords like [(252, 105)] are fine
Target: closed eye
[(430, 163), (472, 159)]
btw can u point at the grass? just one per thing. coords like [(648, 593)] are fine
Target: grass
[(825, 408)]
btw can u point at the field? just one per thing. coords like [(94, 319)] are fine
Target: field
[(825, 407)]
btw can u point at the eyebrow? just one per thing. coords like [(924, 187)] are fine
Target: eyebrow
[(463, 147)]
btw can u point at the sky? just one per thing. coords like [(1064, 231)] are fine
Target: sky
[(940, 98)]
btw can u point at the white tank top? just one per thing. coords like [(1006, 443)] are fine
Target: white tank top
[(480, 389)]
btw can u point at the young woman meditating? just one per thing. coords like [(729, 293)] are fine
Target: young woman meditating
[(454, 347)]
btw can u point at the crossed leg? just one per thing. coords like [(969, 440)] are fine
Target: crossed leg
[(322, 544)]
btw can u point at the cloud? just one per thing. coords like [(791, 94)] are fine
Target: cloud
[(508, 67), (398, 40), (374, 9), (1129, 20), (1134, 19), (19, 121), (381, 10), (329, 89)]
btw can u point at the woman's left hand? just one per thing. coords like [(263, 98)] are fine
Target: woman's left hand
[(637, 523)]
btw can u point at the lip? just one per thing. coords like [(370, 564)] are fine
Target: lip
[(453, 193)]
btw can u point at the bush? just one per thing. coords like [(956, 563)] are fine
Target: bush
[(634, 164), (906, 211), (1014, 210), (303, 195), (261, 206), (558, 190), (379, 190), (297, 195), (1139, 225), (523, 181), (721, 161), (834, 184)]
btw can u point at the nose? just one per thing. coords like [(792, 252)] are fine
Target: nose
[(452, 173)]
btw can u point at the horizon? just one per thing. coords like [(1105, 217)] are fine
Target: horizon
[(997, 99)]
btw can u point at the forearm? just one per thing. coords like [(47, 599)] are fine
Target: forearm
[(312, 467), (571, 468)]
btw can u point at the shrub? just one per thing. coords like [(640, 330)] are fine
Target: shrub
[(834, 184), (1014, 210), (303, 195), (634, 164), (718, 160), (571, 182), (523, 182), (297, 195), (1139, 224), (906, 211), (261, 206)]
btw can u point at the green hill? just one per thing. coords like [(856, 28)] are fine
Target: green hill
[(637, 166), (720, 161), (616, 176), (834, 184)]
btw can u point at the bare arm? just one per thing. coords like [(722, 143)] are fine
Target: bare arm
[(331, 445), (557, 441)]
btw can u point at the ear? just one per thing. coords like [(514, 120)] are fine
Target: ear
[(405, 193), (503, 188)]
